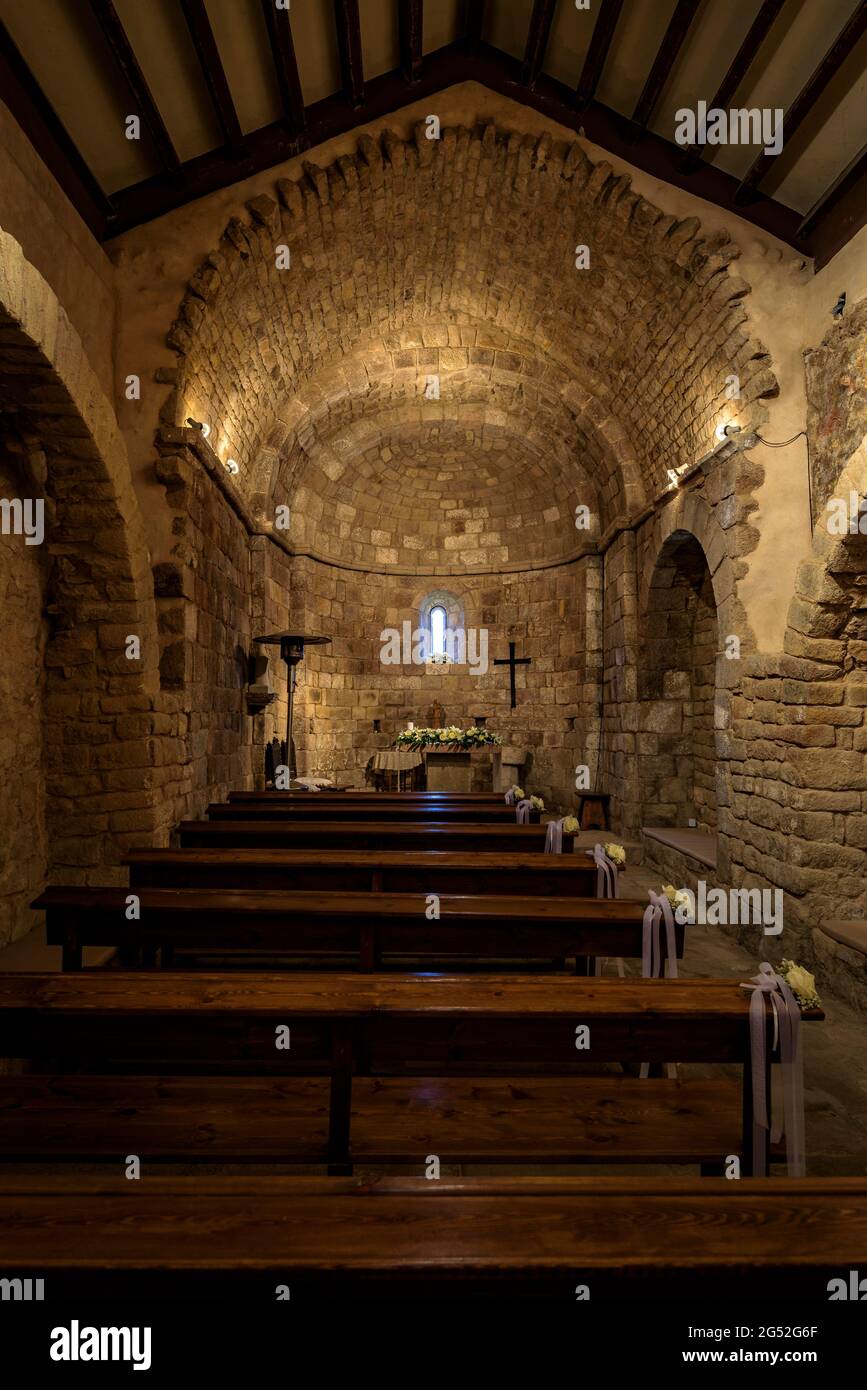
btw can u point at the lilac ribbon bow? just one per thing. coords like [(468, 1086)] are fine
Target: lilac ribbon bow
[(554, 837), (606, 887), (651, 943), (522, 811), (606, 874), (787, 1043), (510, 797), (658, 912)]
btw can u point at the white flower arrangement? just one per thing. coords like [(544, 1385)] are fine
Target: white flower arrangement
[(518, 791), (451, 737), (537, 803), (801, 983), (678, 897), (616, 853), (570, 825)]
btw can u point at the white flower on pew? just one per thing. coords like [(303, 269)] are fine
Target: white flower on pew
[(680, 901), (537, 803), (518, 791), (616, 853), (570, 825), (801, 983)]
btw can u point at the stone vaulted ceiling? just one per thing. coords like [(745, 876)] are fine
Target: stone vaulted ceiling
[(454, 261)]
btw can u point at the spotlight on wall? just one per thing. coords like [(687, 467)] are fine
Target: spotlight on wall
[(204, 429), (231, 466)]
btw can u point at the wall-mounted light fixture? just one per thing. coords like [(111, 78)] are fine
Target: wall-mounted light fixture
[(231, 466), (200, 425)]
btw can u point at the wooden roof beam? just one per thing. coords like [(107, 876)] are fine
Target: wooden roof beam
[(214, 73), (50, 138), (666, 57), (854, 28), (286, 64), (410, 23), (739, 67), (597, 52), (538, 35), (473, 23), (115, 36), (839, 213), (348, 24)]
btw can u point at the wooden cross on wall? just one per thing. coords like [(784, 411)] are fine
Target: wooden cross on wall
[(512, 661)]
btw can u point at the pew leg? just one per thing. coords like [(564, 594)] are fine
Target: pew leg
[(369, 949), (149, 957), (754, 1161), (340, 1108), (712, 1170), (584, 965), (167, 956), (71, 952)]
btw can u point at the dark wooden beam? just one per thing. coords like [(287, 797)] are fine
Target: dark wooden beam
[(538, 35), (597, 52), (739, 67), (348, 24), (839, 213), (849, 35), (49, 137), (666, 57), (747, 53), (410, 21), (614, 133), (473, 23), (127, 63), (283, 52), (208, 55), (500, 73)]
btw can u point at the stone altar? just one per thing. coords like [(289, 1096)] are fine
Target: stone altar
[(462, 769)]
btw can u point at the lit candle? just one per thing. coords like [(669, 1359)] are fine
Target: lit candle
[(411, 725)]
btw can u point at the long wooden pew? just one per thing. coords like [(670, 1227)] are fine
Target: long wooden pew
[(392, 871), (375, 835), (629, 1240), (352, 795), (415, 1048), (391, 811), (367, 926)]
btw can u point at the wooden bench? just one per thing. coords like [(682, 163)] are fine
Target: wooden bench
[(446, 1027), (392, 811), (351, 796), (629, 1240), (368, 926), (376, 835), (395, 871)]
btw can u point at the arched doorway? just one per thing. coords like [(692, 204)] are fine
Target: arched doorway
[(78, 786), (676, 686)]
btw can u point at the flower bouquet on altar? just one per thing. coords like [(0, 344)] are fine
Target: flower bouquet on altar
[(451, 737)]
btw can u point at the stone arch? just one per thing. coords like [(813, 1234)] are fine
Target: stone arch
[(98, 726), (404, 231), (676, 688)]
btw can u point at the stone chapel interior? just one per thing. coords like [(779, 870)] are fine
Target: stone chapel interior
[(409, 357)]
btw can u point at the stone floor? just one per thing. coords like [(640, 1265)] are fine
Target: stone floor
[(835, 1051)]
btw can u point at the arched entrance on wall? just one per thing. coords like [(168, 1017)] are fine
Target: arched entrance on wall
[(676, 687), (71, 692)]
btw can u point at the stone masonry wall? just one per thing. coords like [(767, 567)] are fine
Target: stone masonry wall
[(23, 634), (345, 687), (205, 607)]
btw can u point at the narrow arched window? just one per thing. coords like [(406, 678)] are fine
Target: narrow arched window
[(438, 621)]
